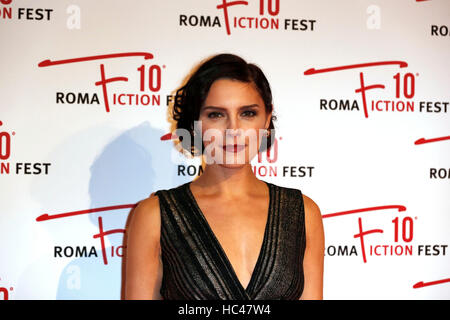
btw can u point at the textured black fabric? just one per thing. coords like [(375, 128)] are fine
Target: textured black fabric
[(195, 266)]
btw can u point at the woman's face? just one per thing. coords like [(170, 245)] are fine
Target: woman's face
[(233, 119)]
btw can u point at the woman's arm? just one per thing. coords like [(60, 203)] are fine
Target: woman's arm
[(314, 252), (143, 264)]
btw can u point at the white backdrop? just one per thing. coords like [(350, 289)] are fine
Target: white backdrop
[(76, 145)]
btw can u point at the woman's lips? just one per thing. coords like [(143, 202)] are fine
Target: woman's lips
[(234, 147)]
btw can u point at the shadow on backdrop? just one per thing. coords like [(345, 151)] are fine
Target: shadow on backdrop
[(123, 173)]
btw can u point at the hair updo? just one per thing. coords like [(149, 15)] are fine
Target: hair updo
[(192, 95)]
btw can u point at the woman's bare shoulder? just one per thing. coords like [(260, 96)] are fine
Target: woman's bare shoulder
[(143, 267), (146, 216), (310, 205), (148, 207), (314, 252), (149, 204), (313, 216)]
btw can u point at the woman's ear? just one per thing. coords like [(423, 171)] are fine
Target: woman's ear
[(269, 118)]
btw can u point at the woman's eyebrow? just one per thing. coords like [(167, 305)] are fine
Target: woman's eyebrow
[(220, 108)]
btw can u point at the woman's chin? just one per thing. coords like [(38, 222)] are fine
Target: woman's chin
[(232, 166)]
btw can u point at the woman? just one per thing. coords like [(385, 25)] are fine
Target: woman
[(226, 235)]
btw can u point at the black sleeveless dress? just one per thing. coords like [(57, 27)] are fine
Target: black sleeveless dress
[(195, 266)]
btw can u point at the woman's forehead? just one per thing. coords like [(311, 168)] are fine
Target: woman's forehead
[(225, 93)]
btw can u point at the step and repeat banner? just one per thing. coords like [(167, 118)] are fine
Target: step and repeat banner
[(361, 92)]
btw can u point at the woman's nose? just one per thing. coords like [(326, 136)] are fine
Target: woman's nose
[(233, 127), (233, 123)]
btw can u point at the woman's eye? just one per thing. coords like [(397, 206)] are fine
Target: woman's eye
[(214, 115), (249, 113)]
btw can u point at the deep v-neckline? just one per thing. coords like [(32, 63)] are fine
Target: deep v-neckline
[(221, 250)]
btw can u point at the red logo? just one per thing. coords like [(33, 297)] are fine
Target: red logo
[(25, 13), (115, 251), (404, 86), (399, 245), (404, 89), (150, 81), (265, 19), (5, 292), (20, 167), (5, 145)]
